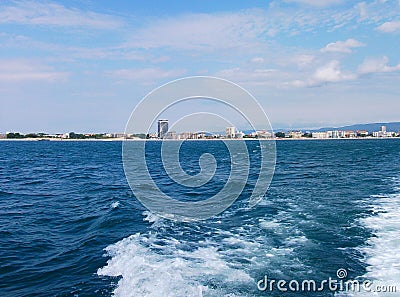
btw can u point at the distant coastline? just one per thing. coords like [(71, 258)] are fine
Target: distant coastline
[(216, 139), (392, 131)]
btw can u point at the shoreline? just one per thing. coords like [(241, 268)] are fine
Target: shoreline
[(221, 139)]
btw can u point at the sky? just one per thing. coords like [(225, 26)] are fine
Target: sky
[(83, 65)]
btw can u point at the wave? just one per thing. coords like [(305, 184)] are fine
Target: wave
[(204, 259), (381, 250), (154, 266), (114, 204)]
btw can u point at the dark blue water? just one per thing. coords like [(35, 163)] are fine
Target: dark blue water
[(331, 205)]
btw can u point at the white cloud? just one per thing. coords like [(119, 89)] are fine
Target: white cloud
[(318, 3), (376, 65), (303, 60), (246, 31), (342, 46), (23, 70), (332, 72), (390, 27), (329, 73), (75, 52), (145, 74), (242, 31), (205, 32), (249, 76), (256, 28), (34, 13), (257, 60), (362, 8)]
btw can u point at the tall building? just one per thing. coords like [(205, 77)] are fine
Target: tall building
[(383, 129), (162, 128), (230, 132)]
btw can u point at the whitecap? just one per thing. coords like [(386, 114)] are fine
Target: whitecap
[(150, 217), (114, 204)]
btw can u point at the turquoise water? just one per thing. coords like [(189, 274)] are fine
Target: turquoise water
[(70, 225)]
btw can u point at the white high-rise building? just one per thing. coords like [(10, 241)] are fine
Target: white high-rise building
[(230, 132), (162, 128)]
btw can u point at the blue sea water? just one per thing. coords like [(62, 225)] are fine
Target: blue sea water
[(70, 225)]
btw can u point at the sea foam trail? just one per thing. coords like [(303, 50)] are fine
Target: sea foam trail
[(151, 266), (382, 250), (168, 261)]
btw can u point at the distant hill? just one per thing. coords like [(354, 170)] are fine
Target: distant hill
[(393, 126)]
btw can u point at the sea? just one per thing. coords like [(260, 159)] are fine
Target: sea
[(70, 224)]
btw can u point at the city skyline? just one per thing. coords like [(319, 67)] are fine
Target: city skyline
[(231, 132), (82, 66)]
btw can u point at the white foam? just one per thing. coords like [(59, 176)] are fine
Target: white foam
[(269, 224), (382, 250), (150, 217), (297, 240), (168, 261), (115, 204), (151, 266)]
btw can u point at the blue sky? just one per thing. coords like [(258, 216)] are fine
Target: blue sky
[(83, 65)]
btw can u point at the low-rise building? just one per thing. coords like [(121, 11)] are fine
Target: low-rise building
[(152, 135), (239, 134), (201, 135), (187, 135), (336, 134), (362, 133), (320, 135), (171, 135), (263, 134), (350, 134), (383, 133), (294, 134)]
